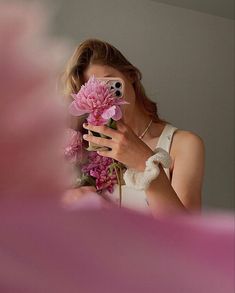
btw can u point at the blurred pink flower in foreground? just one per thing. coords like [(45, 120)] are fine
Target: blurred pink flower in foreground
[(44, 248), (31, 117), (113, 250), (96, 99)]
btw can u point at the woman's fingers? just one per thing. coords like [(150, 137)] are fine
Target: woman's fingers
[(104, 153), (99, 140), (72, 195), (83, 197), (101, 129)]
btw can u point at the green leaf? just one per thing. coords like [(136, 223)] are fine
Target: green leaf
[(86, 180)]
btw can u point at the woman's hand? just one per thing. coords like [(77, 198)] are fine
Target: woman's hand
[(126, 147), (75, 194), (84, 196)]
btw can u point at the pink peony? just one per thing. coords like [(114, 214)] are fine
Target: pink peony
[(98, 167), (73, 151), (96, 99)]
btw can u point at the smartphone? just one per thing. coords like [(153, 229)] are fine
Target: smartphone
[(116, 84)]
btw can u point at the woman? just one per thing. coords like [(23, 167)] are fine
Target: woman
[(139, 132)]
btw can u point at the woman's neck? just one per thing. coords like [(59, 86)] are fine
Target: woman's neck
[(137, 121)]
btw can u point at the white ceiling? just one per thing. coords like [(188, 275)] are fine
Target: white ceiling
[(224, 8)]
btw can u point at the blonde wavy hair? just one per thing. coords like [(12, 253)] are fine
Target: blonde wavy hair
[(94, 51)]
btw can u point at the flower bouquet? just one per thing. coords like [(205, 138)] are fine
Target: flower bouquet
[(98, 104)]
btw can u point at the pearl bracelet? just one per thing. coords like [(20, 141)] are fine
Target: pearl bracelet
[(141, 180)]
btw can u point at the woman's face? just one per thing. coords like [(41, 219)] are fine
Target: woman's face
[(101, 71)]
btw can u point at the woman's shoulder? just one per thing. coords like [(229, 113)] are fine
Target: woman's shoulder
[(186, 146), (186, 141)]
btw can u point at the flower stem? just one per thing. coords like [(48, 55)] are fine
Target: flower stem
[(119, 184)]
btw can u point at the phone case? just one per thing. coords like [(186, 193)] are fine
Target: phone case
[(117, 84)]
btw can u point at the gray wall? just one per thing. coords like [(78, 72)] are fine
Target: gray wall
[(187, 61), (224, 8)]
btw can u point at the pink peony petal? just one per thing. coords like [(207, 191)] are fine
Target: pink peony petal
[(109, 113), (96, 120), (118, 114), (75, 111)]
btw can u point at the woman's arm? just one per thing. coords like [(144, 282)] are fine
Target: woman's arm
[(184, 191)]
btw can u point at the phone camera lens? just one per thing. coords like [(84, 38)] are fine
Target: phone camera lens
[(112, 87), (118, 84), (118, 93)]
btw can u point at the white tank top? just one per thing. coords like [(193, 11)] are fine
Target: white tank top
[(136, 199)]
